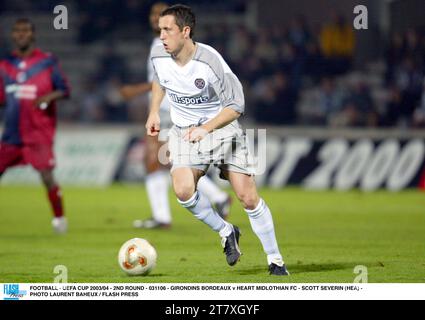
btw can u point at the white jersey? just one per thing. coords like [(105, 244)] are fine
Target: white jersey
[(198, 91), (165, 105)]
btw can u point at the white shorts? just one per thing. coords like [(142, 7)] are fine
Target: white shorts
[(166, 124), (226, 148)]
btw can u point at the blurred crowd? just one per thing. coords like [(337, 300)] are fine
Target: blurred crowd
[(404, 78), (402, 84), (272, 64), (100, 18)]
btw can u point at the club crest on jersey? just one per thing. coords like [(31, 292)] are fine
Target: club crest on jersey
[(200, 83), (21, 77)]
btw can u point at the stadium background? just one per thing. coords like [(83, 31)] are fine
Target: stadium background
[(340, 114), (307, 73)]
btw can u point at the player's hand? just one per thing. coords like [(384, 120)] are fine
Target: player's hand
[(43, 102), (195, 134), (153, 125)]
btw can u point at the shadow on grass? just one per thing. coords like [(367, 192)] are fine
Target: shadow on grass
[(156, 275), (30, 237), (322, 267), (141, 277), (305, 268)]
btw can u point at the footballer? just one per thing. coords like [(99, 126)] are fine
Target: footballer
[(206, 99), (31, 81), (157, 179)]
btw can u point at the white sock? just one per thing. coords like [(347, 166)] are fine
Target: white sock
[(211, 190), (157, 184), (201, 208), (262, 224)]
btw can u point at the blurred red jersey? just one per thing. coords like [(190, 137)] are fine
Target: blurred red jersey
[(22, 82), (29, 131)]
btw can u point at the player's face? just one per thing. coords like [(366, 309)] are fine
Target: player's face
[(22, 35), (154, 16), (171, 36)]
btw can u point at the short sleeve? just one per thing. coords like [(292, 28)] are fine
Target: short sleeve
[(60, 82), (225, 83), (230, 92), (154, 74)]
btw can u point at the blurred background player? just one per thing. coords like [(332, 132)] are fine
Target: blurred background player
[(30, 83), (157, 179)]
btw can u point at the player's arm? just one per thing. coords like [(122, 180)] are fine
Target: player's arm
[(153, 122), (225, 117), (131, 91), (46, 100), (61, 88), (230, 92)]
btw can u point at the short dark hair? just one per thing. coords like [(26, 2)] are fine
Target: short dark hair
[(183, 15), (26, 21)]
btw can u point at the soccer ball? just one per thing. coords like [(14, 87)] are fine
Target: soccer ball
[(137, 257)]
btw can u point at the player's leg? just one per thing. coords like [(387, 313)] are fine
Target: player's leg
[(259, 216), (185, 180), (10, 155), (54, 194), (157, 184), (221, 200), (42, 159)]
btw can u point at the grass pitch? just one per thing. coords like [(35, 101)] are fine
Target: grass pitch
[(322, 235)]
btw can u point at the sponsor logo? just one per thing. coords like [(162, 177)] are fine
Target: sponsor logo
[(12, 292), (188, 100), (22, 91)]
